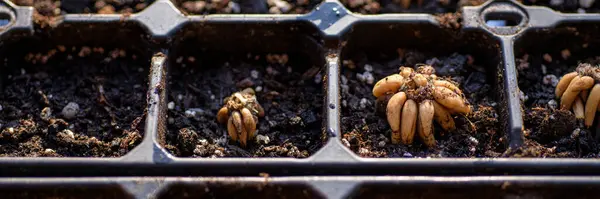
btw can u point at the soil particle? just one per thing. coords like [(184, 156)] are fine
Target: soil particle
[(39, 116), (450, 20), (70, 110), (292, 102), (366, 131)]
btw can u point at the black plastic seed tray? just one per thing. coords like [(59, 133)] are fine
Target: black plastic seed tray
[(303, 187), (161, 37)]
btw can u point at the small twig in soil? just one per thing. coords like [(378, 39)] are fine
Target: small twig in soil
[(470, 123), (44, 99), (101, 98), (136, 122), (104, 102), (113, 119)]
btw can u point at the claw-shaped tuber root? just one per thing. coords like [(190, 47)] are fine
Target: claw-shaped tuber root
[(389, 84), (578, 108), (419, 97), (393, 113), (443, 117), (575, 87), (231, 130), (249, 122), (409, 114), (426, 112), (241, 112), (564, 83), (578, 91), (448, 85), (591, 105), (222, 115)]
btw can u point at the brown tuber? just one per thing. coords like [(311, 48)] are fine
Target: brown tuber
[(419, 98), (240, 113), (579, 91)]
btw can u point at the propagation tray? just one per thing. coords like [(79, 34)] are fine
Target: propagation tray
[(320, 32), (325, 34), (303, 187)]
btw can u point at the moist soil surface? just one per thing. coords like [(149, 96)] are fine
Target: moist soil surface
[(203, 7), (447, 13), (289, 91), (549, 131), (365, 128), (104, 95)]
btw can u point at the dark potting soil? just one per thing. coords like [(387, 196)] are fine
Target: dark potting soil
[(365, 128), (551, 132), (289, 91), (104, 91), (447, 13)]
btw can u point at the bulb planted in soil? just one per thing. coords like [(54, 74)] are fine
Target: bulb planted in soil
[(240, 113), (290, 100), (367, 132), (559, 118), (578, 88), (414, 94)]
